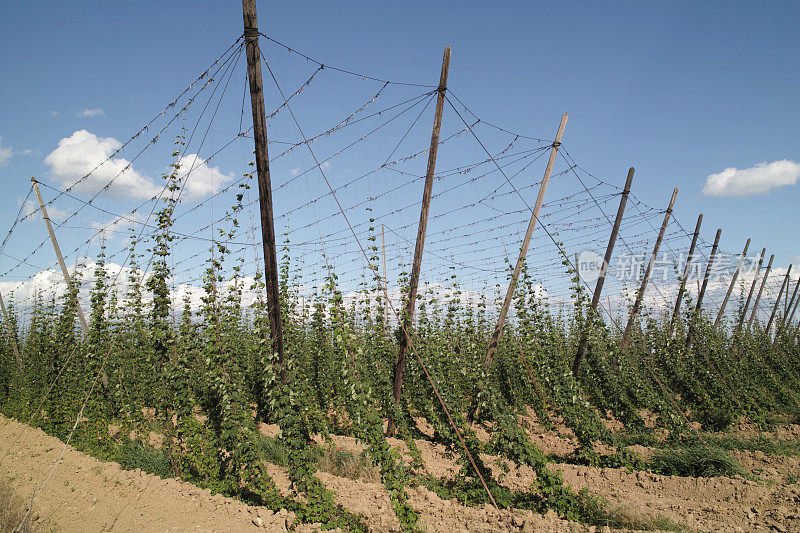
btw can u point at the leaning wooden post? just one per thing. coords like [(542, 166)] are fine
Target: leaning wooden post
[(12, 335), (760, 291), (408, 316), (64, 271), (778, 299), (682, 286), (791, 301), (640, 294), (598, 288), (743, 315), (733, 282), (525, 243), (699, 305), (792, 306), (264, 181), (788, 321)]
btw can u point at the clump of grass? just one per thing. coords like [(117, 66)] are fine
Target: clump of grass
[(12, 511), (133, 454), (344, 463), (696, 461), (598, 512), (273, 451)]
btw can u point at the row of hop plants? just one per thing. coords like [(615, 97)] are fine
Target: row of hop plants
[(206, 380)]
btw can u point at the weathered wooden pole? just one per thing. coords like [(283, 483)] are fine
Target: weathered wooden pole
[(682, 286), (778, 299), (640, 294), (791, 301), (64, 271), (792, 305), (788, 321), (408, 316), (743, 314), (699, 305), (598, 288), (525, 243), (264, 182), (760, 291), (12, 335), (733, 282)]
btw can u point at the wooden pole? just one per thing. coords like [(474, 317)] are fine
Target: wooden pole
[(12, 335), (408, 317), (760, 291), (598, 288), (752, 289), (792, 305), (778, 299), (525, 243), (699, 305), (640, 294), (264, 182), (682, 286), (791, 301), (64, 271), (733, 282), (385, 282), (788, 322)]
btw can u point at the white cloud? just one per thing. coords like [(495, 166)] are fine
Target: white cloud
[(91, 113), (759, 179), (83, 154), (5, 153), (202, 179), (55, 114)]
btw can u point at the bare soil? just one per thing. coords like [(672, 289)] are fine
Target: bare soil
[(84, 494)]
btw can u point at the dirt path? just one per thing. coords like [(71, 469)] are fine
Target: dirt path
[(85, 494)]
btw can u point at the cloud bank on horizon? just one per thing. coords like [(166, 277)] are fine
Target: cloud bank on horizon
[(758, 179)]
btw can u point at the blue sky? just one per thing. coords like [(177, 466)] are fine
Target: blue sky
[(679, 90)]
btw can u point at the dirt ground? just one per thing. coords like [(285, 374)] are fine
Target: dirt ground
[(84, 494)]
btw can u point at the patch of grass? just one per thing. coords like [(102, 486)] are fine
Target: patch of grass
[(344, 463), (759, 443), (696, 461), (133, 454), (272, 450), (598, 512), (12, 511)]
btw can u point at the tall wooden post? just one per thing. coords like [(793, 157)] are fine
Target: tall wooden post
[(733, 282), (778, 299), (385, 282), (682, 286), (760, 291), (525, 243), (702, 292), (792, 306), (788, 322), (408, 316), (12, 335), (752, 290), (791, 301), (648, 271), (264, 182), (64, 271), (598, 288)]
